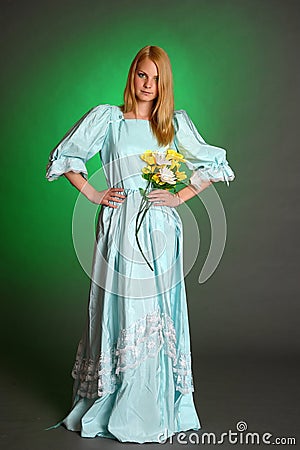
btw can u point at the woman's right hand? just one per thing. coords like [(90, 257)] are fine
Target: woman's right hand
[(107, 196)]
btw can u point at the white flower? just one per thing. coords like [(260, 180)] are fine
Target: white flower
[(167, 176), (160, 159)]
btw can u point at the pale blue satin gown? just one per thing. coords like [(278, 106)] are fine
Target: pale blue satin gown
[(133, 370)]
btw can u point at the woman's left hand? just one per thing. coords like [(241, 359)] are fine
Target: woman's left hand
[(162, 197)]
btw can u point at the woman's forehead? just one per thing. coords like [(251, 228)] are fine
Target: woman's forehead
[(147, 66)]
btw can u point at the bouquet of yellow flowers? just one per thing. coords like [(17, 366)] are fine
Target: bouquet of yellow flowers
[(162, 172)]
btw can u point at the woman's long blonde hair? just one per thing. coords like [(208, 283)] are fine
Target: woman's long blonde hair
[(163, 106)]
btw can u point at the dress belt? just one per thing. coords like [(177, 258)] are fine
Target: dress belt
[(129, 190)]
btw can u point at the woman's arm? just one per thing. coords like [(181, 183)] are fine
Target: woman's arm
[(98, 197), (190, 191)]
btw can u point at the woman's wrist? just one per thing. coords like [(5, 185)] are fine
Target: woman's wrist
[(180, 200), (89, 192)]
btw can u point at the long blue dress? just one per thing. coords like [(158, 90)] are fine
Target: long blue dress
[(133, 369)]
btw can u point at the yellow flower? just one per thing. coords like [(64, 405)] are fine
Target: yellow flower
[(180, 175), (148, 157), (148, 169), (174, 164), (157, 179), (172, 154)]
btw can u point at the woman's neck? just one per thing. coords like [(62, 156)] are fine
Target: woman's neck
[(144, 110)]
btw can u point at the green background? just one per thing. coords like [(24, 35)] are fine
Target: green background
[(234, 69)]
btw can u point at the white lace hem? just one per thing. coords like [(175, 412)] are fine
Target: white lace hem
[(142, 340)]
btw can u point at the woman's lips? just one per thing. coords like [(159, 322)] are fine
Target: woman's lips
[(147, 93)]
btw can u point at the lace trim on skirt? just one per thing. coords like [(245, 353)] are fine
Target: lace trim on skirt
[(144, 339)]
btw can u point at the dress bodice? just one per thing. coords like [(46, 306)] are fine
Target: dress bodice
[(120, 143)]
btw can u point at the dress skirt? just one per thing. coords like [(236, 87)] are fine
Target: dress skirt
[(133, 370)]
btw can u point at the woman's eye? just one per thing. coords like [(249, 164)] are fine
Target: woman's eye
[(141, 75)]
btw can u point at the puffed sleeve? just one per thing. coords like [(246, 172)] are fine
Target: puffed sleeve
[(207, 161), (80, 143)]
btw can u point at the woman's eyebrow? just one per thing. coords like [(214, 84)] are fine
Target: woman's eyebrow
[(139, 70)]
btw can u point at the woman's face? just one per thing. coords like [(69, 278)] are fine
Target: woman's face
[(146, 80)]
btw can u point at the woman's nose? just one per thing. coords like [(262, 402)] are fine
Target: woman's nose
[(148, 83)]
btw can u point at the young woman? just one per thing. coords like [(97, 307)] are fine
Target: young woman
[(133, 369)]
